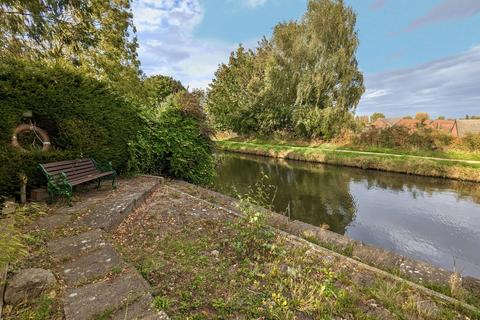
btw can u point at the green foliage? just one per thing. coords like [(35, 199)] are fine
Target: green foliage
[(84, 118), (97, 37), (305, 80), (253, 238), (471, 142), (13, 241), (232, 98), (376, 115), (159, 87), (400, 137), (161, 303), (171, 143), (326, 123), (422, 116)]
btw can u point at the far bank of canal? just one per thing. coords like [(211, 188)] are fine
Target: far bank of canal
[(430, 219)]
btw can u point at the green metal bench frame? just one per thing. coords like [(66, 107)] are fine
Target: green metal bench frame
[(59, 184)]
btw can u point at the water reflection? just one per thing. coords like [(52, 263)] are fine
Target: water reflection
[(425, 218)]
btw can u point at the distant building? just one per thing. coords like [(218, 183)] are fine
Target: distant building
[(447, 126), (464, 127), (456, 128), (382, 123), (413, 124)]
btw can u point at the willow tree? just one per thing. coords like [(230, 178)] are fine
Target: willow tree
[(96, 35), (310, 77)]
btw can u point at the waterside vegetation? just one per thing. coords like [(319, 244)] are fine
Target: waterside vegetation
[(418, 163)]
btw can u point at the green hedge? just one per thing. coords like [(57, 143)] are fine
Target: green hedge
[(83, 116), (172, 143)]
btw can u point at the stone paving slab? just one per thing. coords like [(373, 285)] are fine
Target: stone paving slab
[(97, 298), (53, 221), (109, 214), (87, 259), (95, 265), (70, 247)]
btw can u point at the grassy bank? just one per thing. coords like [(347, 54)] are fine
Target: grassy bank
[(433, 164), (204, 263)]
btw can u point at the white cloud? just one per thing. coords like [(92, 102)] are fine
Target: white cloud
[(255, 3), (448, 87), (152, 15), (372, 94), (167, 46)]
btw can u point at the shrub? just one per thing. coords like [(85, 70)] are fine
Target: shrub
[(83, 117), (471, 142), (325, 123), (400, 137), (172, 144)]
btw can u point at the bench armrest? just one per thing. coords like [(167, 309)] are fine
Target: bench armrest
[(103, 167), (59, 185)]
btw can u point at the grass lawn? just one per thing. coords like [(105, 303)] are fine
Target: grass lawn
[(204, 263), (451, 154)]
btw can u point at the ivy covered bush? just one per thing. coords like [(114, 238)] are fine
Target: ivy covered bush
[(174, 141)]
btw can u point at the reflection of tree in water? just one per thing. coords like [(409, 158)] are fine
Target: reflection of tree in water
[(418, 186), (316, 196), (320, 194)]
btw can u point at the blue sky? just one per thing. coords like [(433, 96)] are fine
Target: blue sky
[(415, 55)]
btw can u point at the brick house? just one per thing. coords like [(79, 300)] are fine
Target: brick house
[(457, 128), (464, 127)]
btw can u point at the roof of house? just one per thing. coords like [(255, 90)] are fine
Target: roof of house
[(465, 127), (385, 122), (443, 125), (412, 123), (392, 121)]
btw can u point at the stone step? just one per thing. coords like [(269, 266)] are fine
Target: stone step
[(108, 296), (65, 249), (109, 214), (92, 266)]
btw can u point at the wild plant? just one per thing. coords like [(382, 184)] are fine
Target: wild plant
[(253, 238)]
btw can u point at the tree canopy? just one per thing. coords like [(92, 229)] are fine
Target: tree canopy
[(74, 64), (97, 36), (304, 80), (377, 115), (159, 87)]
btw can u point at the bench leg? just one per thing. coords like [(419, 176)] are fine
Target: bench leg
[(114, 182), (98, 183), (50, 197)]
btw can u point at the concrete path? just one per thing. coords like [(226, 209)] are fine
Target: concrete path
[(99, 283)]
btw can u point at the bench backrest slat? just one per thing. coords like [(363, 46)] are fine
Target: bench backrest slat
[(73, 169), (65, 162), (67, 170), (81, 174)]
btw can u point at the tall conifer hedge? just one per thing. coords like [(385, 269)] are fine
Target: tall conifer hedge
[(83, 117)]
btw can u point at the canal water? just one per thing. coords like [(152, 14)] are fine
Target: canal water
[(429, 219)]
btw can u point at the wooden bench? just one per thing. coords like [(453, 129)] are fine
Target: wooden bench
[(62, 176)]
